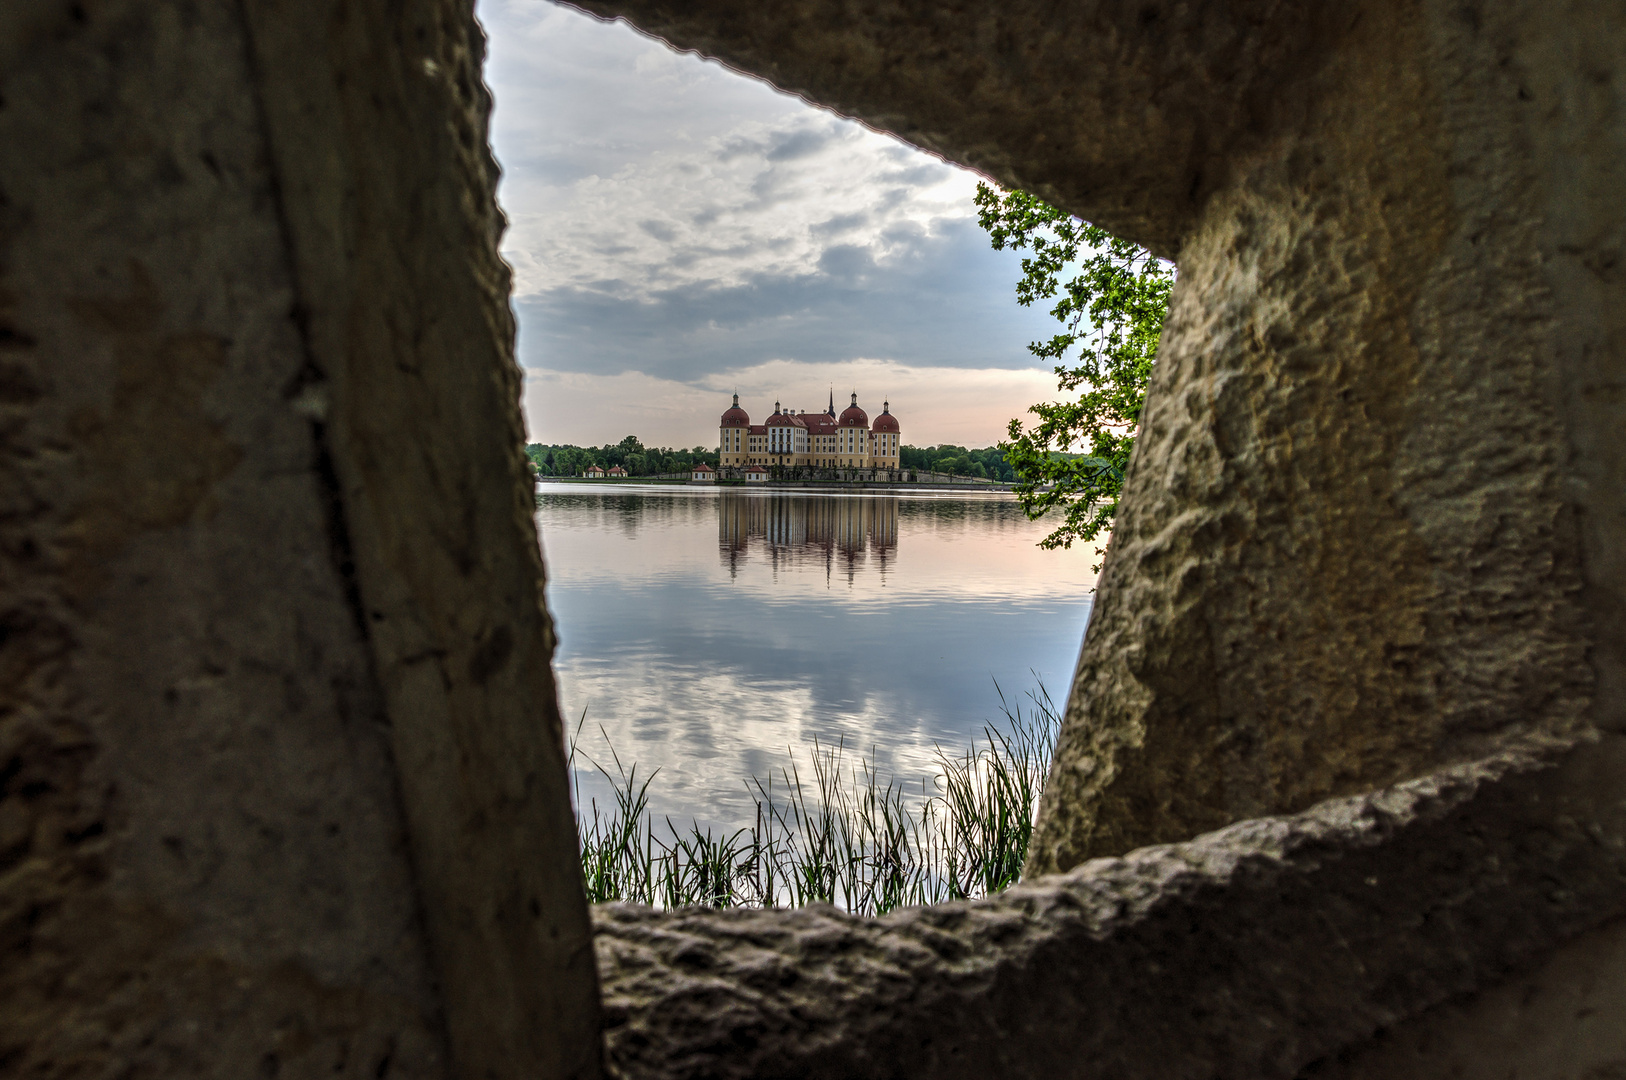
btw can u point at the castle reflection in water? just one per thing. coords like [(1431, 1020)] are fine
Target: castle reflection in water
[(840, 534)]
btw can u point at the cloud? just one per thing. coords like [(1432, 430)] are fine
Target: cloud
[(673, 223), (659, 230), (924, 301), (803, 142), (965, 406), (840, 223), (727, 207)]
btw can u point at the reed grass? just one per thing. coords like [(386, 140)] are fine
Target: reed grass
[(835, 829)]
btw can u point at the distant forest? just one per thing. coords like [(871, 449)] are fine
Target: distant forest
[(629, 453), (987, 464), (640, 460)]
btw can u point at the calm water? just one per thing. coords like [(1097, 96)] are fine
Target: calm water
[(708, 630)]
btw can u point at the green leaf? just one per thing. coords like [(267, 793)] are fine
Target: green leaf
[(1112, 311)]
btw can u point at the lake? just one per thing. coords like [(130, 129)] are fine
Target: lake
[(705, 631)]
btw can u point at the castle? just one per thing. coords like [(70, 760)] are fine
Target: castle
[(817, 440)]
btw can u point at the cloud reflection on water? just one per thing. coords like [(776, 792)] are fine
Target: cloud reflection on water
[(708, 630)]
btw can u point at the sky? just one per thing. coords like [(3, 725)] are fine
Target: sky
[(680, 233)]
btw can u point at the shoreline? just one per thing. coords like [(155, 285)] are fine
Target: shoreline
[(805, 486)]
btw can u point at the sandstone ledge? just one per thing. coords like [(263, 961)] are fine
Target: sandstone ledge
[(1253, 951)]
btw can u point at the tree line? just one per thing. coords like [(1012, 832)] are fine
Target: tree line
[(562, 459), (989, 463), (986, 464)]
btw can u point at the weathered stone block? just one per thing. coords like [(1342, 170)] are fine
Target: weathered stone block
[(281, 778), (1255, 951), (281, 782)]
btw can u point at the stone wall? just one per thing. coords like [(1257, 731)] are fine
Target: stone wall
[(1361, 540), (1263, 949), (1373, 533), (281, 776), (281, 789)]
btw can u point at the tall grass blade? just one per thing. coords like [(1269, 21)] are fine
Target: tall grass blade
[(835, 833)]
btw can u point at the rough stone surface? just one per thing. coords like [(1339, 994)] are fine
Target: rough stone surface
[(1374, 524), (379, 140), (1360, 538), (266, 561), (281, 777), (1250, 953), (203, 869), (1375, 529), (1564, 1021), (1133, 110)]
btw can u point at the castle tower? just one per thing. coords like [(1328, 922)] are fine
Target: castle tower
[(886, 440), (733, 437), (852, 435)]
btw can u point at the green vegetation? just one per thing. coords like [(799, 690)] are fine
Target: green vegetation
[(836, 833), (629, 453), (989, 463), (564, 460), (1112, 311)]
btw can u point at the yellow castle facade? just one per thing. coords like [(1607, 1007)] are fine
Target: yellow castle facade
[(800, 439)]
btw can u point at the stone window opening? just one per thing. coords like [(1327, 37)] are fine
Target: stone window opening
[(1338, 791), (1118, 820)]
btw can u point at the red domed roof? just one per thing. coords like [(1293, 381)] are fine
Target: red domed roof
[(853, 416), (886, 421), (735, 416)]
